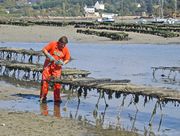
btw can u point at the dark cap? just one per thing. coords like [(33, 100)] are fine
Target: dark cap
[(63, 40)]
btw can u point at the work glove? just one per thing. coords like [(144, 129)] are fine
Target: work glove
[(50, 57), (59, 62)]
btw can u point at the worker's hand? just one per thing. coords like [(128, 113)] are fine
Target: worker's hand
[(50, 57), (59, 62)]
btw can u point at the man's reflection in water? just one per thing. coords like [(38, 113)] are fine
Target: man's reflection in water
[(44, 109), (57, 112)]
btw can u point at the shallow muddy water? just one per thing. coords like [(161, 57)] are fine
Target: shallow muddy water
[(115, 61), (132, 62)]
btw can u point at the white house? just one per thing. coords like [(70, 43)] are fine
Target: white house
[(99, 6), (138, 5), (91, 11)]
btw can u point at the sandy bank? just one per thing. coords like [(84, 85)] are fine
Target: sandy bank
[(23, 124), (47, 33), (29, 124)]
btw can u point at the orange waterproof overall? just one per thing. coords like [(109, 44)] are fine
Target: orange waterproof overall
[(52, 70)]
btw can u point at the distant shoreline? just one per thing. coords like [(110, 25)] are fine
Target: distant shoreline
[(10, 33)]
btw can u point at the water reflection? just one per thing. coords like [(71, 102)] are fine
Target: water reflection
[(45, 110), (99, 117), (104, 115)]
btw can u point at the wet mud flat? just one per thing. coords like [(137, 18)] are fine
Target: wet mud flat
[(21, 123), (34, 124)]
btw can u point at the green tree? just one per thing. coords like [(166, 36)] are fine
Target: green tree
[(149, 7), (9, 3)]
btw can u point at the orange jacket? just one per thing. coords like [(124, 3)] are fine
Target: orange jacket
[(57, 53)]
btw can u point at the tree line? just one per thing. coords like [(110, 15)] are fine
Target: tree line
[(75, 7)]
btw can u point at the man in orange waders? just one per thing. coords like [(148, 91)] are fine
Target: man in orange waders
[(57, 54)]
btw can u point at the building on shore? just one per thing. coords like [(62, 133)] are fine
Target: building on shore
[(92, 11), (99, 6)]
